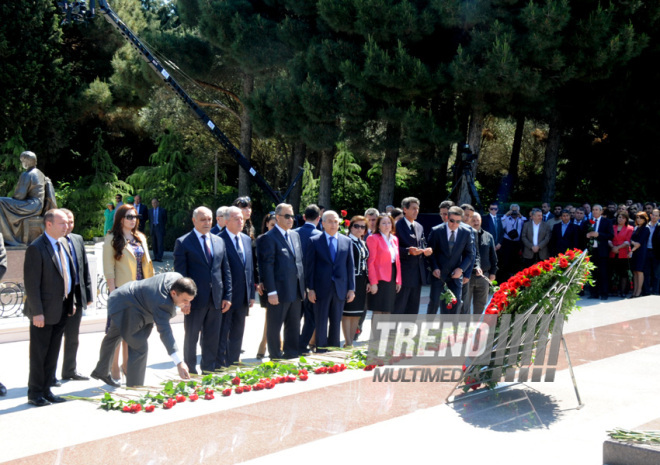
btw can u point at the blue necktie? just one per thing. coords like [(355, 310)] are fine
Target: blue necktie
[(333, 248), (207, 251), (238, 249)]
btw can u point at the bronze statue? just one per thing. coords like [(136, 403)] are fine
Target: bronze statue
[(33, 195)]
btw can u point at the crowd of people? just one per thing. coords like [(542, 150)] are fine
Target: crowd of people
[(315, 280)]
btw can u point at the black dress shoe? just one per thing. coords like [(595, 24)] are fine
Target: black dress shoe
[(53, 399), (38, 402), (76, 377), (107, 379), (3, 390), (55, 383)]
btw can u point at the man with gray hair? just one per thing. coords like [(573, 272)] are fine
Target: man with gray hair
[(371, 214), (536, 236), (280, 259), (220, 220), (202, 256)]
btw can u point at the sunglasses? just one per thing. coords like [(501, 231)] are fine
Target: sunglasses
[(493, 208), (360, 226), (131, 217), (287, 216), (454, 221)]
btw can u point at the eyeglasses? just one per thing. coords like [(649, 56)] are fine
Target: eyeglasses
[(287, 216), (454, 221), (359, 226), (131, 217)]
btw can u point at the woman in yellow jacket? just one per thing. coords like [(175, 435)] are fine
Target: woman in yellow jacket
[(125, 258)]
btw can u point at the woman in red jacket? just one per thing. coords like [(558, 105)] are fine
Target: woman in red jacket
[(620, 252), (383, 265)]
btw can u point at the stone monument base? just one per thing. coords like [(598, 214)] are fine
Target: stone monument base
[(15, 260)]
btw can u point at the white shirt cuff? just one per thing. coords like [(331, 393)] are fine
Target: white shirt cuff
[(272, 293), (176, 357)]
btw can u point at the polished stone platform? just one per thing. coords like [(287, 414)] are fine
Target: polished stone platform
[(614, 347)]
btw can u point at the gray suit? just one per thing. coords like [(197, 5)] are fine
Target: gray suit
[(133, 310), (527, 238)]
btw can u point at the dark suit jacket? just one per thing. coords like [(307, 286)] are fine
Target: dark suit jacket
[(84, 293), (280, 270), (143, 212), (44, 282), (655, 242), (462, 255), (527, 238), (162, 219), (605, 234), (242, 274), (495, 229), (144, 302), (306, 232), (213, 280), (558, 243), (324, 276), (413, 268)]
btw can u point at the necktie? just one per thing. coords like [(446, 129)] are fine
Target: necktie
[(286, 238), (207, 251), (155, 216), (333, 248), (452, 240), (64, 269), (412, 232), (238, 249)]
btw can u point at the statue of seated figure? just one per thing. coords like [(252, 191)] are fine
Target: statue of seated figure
[(33, 195)]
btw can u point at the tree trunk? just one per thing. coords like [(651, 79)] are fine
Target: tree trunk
[(298, 158), (388, 179), (475, 130), (246, 137), (551, 158), (325, 178), (515, 154)]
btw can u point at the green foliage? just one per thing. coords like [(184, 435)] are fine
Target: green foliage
[(87, 196), (350, 191), (10, 164), (310, 190)]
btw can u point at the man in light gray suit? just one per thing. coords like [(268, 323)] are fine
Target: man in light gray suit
[(134, 309)]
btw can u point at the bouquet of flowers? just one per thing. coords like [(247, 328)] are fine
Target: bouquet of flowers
[(448, 298), (344, 224)]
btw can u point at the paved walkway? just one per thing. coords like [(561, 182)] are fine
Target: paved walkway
[(346, 417)]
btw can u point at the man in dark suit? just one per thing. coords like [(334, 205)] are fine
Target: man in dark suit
[(493, 224), (47, 273), (564, 234), (452, 259), (142, 211), (202, 256), (82, 298), (3, 270), (239, 256), (220, 221), (652, 262), (134, 309), (280, 259), (412, 250), (312, 217), (330, 280), (157, 223), (479, 285), (602, 233)]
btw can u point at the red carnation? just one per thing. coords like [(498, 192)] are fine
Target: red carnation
[(563, 263)]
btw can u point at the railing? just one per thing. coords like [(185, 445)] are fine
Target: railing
[(12, 297)]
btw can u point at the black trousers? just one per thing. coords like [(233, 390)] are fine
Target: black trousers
[(71, 332), (288, 315), (231, 335), (407, 300), (44, 351), (206, 321)]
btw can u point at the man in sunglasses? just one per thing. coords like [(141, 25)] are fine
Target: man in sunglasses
[(280, 259), (451, 261)]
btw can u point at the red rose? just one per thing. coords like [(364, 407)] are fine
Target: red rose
[(209, 397), (547, 266), (302, 377), (135, 408), (526, 282), (193, 397), (303, 372), (552, 259), (149, 408), (208, 391), (344, 213), (247, 388), (449, 306), (236, 381), (126, 408), (592, 222), (239, 390), (563, 263), (180, 398), (347, 223)]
